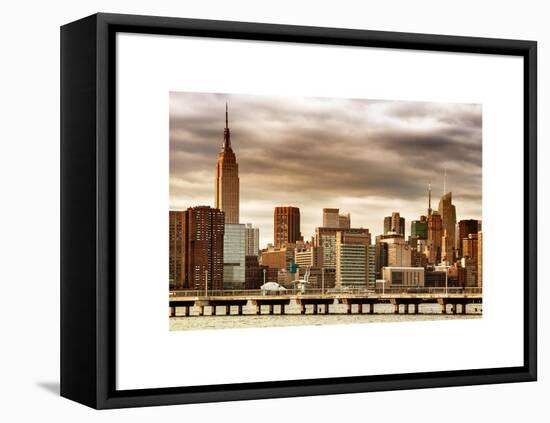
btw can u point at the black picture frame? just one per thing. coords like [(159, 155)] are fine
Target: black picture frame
[(88, 206)]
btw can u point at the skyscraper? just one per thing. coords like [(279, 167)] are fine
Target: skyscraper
[(252, 239), (352, 259), (196, 248), (227, 178), (465, 228), (344, 221), (419, 228), (394, 223), (331, 218), (286, 225), (434, 235), (448, 225), (234, 252)]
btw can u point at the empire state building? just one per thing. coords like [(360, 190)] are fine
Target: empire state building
[(227, 178)]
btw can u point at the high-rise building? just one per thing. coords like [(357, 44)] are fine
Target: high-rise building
[(252, 240), (234, 253), (447, 212), (286, 225), (469, 246), (381, 257), (465, 228), (352, 259), (176, 250), (480, 259), (278, 257), (419, 228), (394, 223), (331, 218), (310, 257), (434, 235), (227, 178), (326, 238), (371, 266), (399, 254), (344, 221), (197, 248)]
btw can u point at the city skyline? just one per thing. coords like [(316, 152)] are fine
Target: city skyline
[(368, 158)]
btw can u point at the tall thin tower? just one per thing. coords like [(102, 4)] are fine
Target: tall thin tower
[(227, 178)]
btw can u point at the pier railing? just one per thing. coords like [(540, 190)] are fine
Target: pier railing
[(327, 291)]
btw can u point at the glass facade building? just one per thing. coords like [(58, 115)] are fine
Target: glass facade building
[(234, 251)]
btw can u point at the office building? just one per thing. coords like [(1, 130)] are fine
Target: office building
[(196, 250), (352, 259), (465, 228), (447, 211), (419, 228), (394, 223), (326, 238), (435, 234), (234, 253), (286, 226), (405, 277), (252, 239), (331, 218)]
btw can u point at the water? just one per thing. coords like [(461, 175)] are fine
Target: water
[(292, 317)]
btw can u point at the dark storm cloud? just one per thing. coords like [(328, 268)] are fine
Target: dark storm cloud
[(368, 157)]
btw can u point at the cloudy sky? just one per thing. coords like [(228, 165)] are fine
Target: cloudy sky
[(366, 157)]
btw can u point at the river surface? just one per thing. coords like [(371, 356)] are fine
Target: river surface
[(292, 316)]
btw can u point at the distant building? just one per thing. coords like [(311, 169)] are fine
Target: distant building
[(469, 247), (254, 273), (331, 218), (391, 238), (470, 272), (311, 257), (465, 228), (409, 277), (435, 278), (344, 221), (435, 227), (196, 252), (480, 259), (286, 225), (326, 238), (371, 266), (399, 255), (380, 258), (448, 225), (252, 240), (394, 223), (278, 257), (352, 259), (419, 228), (234, 249), (227, 178)]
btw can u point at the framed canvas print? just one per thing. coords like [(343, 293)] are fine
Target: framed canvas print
[(258, 211)]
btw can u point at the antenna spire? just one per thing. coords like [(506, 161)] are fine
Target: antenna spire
[(226, 134), (429, 199)]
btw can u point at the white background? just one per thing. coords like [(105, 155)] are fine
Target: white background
[(30, 210), (185, 64)]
